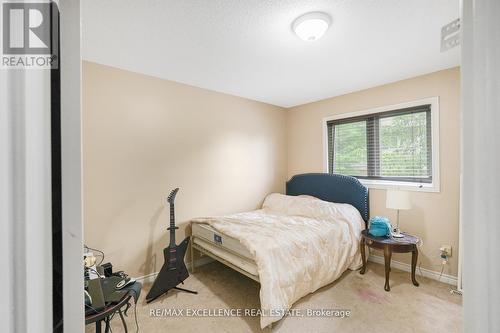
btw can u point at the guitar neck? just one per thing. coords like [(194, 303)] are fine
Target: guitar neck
[(172, 224)]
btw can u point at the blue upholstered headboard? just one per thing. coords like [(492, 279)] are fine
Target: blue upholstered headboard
[(331, 187)]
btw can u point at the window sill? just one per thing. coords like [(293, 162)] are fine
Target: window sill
[(407, 186)]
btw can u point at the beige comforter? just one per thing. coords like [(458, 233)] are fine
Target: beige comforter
[(299, 244)]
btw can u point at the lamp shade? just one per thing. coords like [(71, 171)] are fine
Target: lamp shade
[(396, 199)]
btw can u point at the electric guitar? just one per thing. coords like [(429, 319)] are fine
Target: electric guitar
[(174, 269)]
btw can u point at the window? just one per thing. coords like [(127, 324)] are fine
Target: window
[(386, 146)]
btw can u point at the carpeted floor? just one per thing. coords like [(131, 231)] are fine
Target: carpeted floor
[(428, 308)]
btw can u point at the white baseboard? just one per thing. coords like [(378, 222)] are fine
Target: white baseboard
[(449, 279), (445, 278), (150, 278)]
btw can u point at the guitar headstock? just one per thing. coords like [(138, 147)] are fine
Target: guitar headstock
[(171, 196)]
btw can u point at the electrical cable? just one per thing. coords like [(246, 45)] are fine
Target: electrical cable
[(435, 265), (441, 274), (135, 310), (111, 317), (99, 275), (92, 308), (100, 252)]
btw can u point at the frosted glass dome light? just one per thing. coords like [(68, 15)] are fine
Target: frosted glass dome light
[(311, 26)]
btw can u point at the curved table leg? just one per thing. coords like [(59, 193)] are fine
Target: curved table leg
[(414, 258), (363, 256), (107, 328), (387, 261), (123, 320), (98, 326)]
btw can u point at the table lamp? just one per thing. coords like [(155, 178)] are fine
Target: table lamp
[(397, 199)]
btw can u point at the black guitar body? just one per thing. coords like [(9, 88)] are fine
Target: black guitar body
[(174, 269), (170, 275)]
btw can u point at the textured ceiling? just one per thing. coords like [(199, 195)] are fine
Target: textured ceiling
[(247, 48)]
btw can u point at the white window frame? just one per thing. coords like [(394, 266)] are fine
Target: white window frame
[(386, 184)]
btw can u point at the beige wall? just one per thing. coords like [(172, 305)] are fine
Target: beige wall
[(434, 216), (143, 136)]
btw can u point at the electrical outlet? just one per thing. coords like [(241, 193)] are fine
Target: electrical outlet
[(445, 250)]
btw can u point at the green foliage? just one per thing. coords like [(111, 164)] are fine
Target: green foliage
[(350, 149), (402, 147)]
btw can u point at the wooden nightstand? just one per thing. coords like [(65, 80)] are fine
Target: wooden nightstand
[(408, 243)]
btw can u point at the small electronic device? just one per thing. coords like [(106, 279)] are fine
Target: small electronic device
[(217, 239), (96, 295), (88, 299), (107, 269), (125, 282)]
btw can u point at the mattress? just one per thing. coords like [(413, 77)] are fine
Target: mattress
[(223, 246), (300, 245)]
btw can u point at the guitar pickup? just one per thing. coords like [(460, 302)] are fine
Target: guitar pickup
[(217, 239)]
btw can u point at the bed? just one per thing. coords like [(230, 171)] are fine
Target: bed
[(295, 244)]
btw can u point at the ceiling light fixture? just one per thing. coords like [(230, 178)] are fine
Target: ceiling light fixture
[(311, 26)]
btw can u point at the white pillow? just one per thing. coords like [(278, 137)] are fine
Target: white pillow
[(310, 207), (290, 204)]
